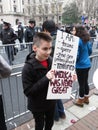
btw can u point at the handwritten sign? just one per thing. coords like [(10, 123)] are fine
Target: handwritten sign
[(63, 65)]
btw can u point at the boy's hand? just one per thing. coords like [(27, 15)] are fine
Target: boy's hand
[(74, 77), (50, 75)]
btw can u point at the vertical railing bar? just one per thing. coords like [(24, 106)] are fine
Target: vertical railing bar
[(17, 92), (11, 97)]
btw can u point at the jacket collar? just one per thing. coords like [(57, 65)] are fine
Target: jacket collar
[(35, 63)]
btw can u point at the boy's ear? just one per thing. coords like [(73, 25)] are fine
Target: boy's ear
[(34, 48)]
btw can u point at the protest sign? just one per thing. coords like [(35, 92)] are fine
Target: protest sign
[(63, 65)]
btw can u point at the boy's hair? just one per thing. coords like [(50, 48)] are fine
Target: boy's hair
[(49, 25), (39, 36)]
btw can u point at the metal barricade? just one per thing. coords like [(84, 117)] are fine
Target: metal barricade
[(75, 89), (15, 103), (14, 54)]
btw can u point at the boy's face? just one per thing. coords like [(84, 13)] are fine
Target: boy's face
[(43, 50)]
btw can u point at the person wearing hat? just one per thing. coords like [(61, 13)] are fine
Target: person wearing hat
[(92, 34), (20, 35), (29, 33), (8, 37)]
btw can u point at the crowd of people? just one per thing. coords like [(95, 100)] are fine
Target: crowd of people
[(9, 35), (37, 72)]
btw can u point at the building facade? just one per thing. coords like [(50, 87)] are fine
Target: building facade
[(23, 10), (47, 9), (11, 10)]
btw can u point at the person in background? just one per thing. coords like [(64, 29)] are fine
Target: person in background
[(83, 64), (5, 71), (36, 75), (20, 35), (29, 33), (8, 37), (1, 25), (49, 27), (68, 29), (92, 33)]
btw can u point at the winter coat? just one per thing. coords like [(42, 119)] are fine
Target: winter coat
[(35, 84), (5, 69), (53, 34), (84, 51), (93, 33), (29, 34), (20, 31), (8, 36)]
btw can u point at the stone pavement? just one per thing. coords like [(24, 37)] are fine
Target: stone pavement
[(77, 118)]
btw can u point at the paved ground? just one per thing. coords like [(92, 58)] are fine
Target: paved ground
[(85, 118)]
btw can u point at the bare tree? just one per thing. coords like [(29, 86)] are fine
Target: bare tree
[(87, 6), (91, 6)]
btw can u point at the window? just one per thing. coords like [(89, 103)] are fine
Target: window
[(15, 9), (23, 10), (1, 9), (40, 9), (14, 1), (23, 2), (97, 11), (53, 17), (46, 9), (28, 10), (28, 1), (59, 17), (34, 10), (52, 8), (46, 18), (60, 8), (33, 1), (40, 1), (40, 18)]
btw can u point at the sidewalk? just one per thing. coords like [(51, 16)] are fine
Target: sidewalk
[(77, 118)]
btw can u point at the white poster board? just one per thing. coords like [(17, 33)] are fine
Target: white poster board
[(63, 65)]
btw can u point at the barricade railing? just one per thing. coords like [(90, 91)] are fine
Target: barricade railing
[(15, 53), (94, 66), (14, 101), (21, 50)]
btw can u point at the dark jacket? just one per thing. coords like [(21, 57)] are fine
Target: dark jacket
[(8, 36), (35, 84), (92, 33), (53, 34), (20, 31), (29, 34)]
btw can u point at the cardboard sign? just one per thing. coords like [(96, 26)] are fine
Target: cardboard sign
[(63, 65)]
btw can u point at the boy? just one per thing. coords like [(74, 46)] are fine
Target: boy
[(35, 77), (50, 28)]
